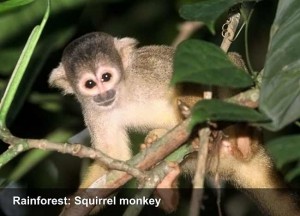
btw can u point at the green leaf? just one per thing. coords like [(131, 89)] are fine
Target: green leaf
[(280, 92), (7, 5), (204, 63), (292, 174), (284, 149), (20, 68), (217, 110), (57, 39), (207, 11)]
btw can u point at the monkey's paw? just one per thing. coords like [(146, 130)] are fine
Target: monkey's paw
[(152, 136), (167, 189)]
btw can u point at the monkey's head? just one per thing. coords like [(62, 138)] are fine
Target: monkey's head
[(93, 67)]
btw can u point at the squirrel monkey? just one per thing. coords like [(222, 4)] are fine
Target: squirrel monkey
[(121, 87)]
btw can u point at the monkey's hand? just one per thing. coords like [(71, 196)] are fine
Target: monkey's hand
[(152, 136), (167, 188)]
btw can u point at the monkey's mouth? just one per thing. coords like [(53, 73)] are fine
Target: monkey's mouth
[(107, 102), (105, 99)]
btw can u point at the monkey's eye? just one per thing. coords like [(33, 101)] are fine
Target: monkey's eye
[(90, 84), (106, 77)]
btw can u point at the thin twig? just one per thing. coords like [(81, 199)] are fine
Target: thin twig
[(230, 31), (186, 29), (156, 175), (18, 145), (204, 133), (198, 182)]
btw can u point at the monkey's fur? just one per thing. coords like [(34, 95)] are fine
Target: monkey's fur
[(141, 98)]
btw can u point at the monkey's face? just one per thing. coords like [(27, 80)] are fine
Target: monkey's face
[(93, 67), (100, 87)]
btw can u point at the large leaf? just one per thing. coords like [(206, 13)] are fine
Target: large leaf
[(217, 110), (280, 92), (15, 28), (285, 149), (207, 11), (20, 68), (57, 39), (204, 63)]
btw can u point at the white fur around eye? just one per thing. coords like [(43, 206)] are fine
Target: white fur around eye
[(82, 85), (114, 79)]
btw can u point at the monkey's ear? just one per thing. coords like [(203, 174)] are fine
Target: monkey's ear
[(59, 80), (125, 47)]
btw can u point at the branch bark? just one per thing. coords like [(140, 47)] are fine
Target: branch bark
[(229, 32)]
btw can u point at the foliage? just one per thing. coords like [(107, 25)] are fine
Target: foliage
[(20, 68), (195, 57), (207, 11), (280, 90), (217, 110), (283, 149)]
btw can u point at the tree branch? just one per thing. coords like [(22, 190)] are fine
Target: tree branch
[(18, 145), (229, 29)]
